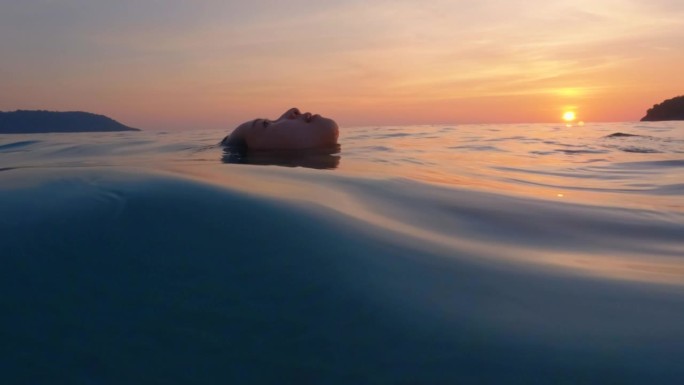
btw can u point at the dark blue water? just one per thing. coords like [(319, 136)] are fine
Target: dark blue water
[(146, 259)]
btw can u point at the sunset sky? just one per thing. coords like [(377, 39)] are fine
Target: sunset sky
[(157, 64)]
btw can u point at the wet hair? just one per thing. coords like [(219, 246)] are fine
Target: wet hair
[(235, 142)]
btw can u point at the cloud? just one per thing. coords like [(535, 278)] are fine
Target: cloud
[(330, 51)]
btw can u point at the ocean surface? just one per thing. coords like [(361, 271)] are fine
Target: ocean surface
[(442, 254)]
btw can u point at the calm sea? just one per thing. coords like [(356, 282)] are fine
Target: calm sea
[(443, 254)]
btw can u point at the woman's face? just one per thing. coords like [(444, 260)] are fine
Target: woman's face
[(292, 130)]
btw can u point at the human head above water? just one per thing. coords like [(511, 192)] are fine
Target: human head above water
[(293, 130)]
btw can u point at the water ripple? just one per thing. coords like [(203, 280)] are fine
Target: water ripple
[(17, 145)]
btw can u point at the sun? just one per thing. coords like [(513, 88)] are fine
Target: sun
[(569, 116)]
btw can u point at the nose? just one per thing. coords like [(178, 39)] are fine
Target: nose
[(292, 113)]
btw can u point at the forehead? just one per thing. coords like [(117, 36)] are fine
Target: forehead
[(246, 125)]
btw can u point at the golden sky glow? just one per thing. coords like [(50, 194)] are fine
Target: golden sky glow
[(180, 64)]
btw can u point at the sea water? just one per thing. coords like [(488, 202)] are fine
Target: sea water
[(442, 254)]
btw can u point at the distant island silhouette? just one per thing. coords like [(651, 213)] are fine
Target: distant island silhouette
[(670, 109), (32, 122)]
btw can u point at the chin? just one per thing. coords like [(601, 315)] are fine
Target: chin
[(327, 132), (328, 123)]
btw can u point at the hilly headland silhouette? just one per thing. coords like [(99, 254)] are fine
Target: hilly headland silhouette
[(39, 121), (670, 109)]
